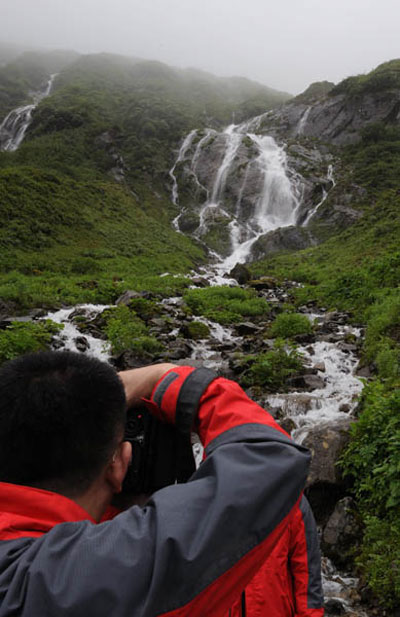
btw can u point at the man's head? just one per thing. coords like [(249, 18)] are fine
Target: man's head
[(62, 416)]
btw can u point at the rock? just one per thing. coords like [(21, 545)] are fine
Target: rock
[(333, 606), (287, 424), (326, 444), (342, 533), (320, 366), (240, 273), (345, 407), (306, 382), (304, 339), (265, 282), (366, 371), (200, 281), (325, 483), (81, 343), (348, 347), (128, 296), (283, 239), (7, 308), (246, 327)]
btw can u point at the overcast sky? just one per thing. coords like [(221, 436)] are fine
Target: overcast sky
[(286, 44)]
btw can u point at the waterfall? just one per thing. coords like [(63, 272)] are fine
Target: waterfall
[(15, 124), (331, 179), (303, 121), (277, 200)]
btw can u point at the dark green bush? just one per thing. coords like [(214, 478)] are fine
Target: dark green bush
[(287, 325), (225, 304), (272, 369)]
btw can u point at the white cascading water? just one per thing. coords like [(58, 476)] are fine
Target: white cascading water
[(303, 121), (325, 194), (15, 124), (276, 205)]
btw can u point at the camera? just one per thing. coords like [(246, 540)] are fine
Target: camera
[(161, 455)]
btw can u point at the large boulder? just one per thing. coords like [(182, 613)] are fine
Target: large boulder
[(342, 533), (325, 482)]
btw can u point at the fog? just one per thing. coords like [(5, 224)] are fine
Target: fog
[(286, 44)]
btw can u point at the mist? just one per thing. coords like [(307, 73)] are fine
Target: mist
[(286, 45)]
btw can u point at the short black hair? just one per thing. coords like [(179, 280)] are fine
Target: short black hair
[(61, 416)]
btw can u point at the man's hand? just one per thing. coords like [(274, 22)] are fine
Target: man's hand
[(139, 382)]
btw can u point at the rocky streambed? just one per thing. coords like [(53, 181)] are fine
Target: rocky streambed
[(317, 405)]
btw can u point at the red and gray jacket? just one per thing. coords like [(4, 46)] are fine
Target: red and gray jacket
[(192, 547), (289, 583)]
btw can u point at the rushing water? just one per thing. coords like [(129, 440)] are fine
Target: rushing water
[(16, 123), (279, 196)]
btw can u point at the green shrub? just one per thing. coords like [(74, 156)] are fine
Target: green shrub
[(380, 558), (287, 325), (271, 369), (24, 337), (225, 304), (125, 330), (372, 458), (197, 330)]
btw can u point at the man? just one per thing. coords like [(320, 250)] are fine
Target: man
[(63, 457), (289, 583)]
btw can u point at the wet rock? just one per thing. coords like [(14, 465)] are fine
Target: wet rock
[(293, 404), (366, 371), (306, 382), (246, 327), (345, 407), (265, 282), (342, 533), (128, 296), (283, 239), (200, 281), (326, 444), (7, 308), (304, 339), (320, 366), (334, 607), (240, 273), (287, 424), (348, 347), (81, 343)]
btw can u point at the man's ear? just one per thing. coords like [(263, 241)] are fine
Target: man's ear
[(118, 466)]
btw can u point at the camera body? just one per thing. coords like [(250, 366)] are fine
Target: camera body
[(160, 454)]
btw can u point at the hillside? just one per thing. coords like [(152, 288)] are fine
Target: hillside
[(87, 194)]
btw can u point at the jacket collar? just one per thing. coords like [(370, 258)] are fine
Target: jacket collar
[(31, 512)]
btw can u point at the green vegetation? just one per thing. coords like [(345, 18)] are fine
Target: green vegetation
[(126, 331), (373, 462), (385, 77), (272, 369), (287, 325), (197, 330), (25, 337), (225, 305)]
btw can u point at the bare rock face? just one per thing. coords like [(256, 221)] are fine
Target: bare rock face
[(284, 239), (335, 119), (342, 533)]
